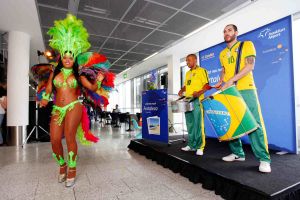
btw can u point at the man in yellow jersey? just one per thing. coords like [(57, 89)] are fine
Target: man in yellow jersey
[(195, 84), (241, 75)]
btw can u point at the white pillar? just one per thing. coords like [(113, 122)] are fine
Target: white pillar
[(174, 85), (173, 74), (17, 86)]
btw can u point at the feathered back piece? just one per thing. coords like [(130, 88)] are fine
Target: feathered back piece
[(40, 74), (91, 64), (69, 36), (92, 59)]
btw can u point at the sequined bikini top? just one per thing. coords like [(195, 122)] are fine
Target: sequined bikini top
[(70, 83)]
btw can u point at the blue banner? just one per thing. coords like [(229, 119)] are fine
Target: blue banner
[(273, 76), (155, 115)]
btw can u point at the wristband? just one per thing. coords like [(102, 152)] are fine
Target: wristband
[(99, 84), (46, 96)]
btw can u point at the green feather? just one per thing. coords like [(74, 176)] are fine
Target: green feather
[(84, 58), (69, 35)]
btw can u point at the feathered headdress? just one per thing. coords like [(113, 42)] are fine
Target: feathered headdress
[(69, 36)]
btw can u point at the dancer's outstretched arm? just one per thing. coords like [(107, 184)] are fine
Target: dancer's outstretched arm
[(92, 86)]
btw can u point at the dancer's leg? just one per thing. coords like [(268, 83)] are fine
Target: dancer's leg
[(56, 133), (72, 122)]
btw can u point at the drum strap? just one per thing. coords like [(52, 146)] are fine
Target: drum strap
[(238, 60)]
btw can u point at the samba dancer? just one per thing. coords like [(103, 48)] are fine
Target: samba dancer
[(67, 81)]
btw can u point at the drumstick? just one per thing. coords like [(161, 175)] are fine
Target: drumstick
[(207, 87), (180, 98), (191, 99)]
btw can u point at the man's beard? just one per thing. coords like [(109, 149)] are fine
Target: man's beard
[(191, 66), (232, 38)]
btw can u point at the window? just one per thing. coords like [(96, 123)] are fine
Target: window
[(163, 78), (137, 93), (183, 69), (127, 96)]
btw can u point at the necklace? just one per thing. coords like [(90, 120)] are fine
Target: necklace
[(66, 73)]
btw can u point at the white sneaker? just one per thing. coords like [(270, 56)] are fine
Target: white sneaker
[(264, 167), (199, 152), (232, 157), (187, 148)]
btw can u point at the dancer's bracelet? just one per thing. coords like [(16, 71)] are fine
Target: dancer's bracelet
[(99, 84), (46, 96)]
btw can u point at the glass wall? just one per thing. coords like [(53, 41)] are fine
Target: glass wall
[(137, 94), (128, 95)]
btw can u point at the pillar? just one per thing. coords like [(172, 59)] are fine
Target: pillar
[(17, 87), (174, 86)]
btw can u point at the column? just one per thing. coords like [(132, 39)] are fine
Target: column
[(174, 86), (17, 87)]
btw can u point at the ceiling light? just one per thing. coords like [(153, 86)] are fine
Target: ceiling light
[(147, 21), (48, 53), (96, 10)]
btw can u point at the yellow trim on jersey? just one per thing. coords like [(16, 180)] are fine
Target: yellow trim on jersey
[(228, 57), (195, 79)]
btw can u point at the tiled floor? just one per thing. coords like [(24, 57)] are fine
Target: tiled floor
[(107, 170)]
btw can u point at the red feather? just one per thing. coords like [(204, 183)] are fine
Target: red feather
[(85, 123), (105, 101), (90, 137), (109, 79), (95, 59)]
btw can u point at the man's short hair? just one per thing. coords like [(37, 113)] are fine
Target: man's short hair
[(192, 55), (234, 26)]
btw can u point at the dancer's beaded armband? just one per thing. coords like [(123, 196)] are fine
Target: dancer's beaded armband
[(46, 96), (99, 84)]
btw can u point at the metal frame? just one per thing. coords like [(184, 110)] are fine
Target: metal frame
[(121, 21), (152, 28), (155, 29), (35, 127)]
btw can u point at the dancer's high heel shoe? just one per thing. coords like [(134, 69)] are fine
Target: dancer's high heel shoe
[(62, 177), (70, 181)]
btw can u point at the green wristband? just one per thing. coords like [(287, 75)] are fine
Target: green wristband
[(99, 84), (46, 96)]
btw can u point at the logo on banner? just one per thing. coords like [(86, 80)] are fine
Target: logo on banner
[(269, 34), (208, 56)]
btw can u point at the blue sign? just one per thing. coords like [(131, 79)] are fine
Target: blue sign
[(273, 75), (155, 115)]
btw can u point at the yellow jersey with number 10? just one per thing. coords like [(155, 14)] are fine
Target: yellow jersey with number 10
[(228, 59), (194, 81)]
